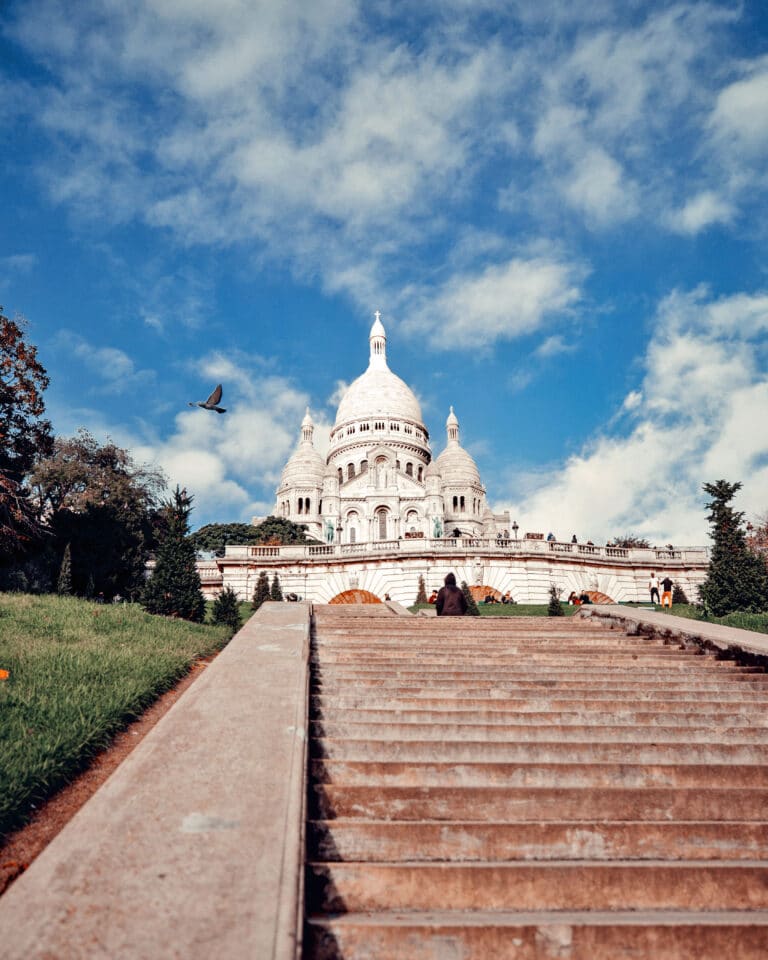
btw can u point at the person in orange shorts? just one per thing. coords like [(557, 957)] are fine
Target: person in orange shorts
[(666, 595)]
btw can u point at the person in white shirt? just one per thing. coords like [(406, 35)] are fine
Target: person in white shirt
[(653, 586)]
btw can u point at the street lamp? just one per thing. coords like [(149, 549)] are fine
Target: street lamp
[(515, 528)]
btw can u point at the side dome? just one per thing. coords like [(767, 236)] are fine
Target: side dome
[(305, 466), (378, 392), (454, 464)]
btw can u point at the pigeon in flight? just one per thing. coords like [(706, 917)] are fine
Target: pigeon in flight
[(212, 403)]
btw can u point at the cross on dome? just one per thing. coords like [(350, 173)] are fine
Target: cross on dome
[(378, 341)]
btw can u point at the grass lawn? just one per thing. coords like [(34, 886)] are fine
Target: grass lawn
[(78, 673), (757, 622)]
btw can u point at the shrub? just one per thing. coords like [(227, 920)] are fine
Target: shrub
[(226, 610), (554, 608), (472, 610), (421, 591), (261, 593)]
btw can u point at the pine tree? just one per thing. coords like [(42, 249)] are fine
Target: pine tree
[(472, 610), (226, 609), (737, 579), (64, 585), (173, 590), (275, 592), (554, 608), (261, 593), (678, 594), (421, 591)]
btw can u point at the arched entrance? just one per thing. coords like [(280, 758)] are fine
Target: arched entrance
[(355, 596)]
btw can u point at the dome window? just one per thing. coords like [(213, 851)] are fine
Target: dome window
[(363, 466), (378, 425), (461, 501), (455, 504), (381, 518), (350, 471), (409, 469), (421, 473), (395, 426), (341, 475), (350, 429), (408, 429)]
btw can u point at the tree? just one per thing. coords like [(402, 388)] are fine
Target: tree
[(102, 503), (421, 591), (737, 578), (281, 530), (64, 585), (472, 610), (629, 541), (678, 594), (261, 593), (226, 609), (275, 592), (554, 608), (173, 589), (24, 436)]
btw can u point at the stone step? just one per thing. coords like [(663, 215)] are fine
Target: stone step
[(457, 841), (513, 804), (548, 885), (554, 751), (543, 935), (462, 686), (743, 703), (522, 733), (596, 716), (533, 774)]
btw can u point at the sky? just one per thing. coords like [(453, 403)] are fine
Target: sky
[(559, 208)]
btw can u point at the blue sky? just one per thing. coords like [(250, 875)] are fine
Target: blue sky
[(559, 208)]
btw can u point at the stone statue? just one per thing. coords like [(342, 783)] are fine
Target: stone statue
[(437, 528), (328, 531)]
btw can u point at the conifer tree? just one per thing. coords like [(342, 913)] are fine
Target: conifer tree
[(64, 585), (554, 608), (678, 594), (421, 591), (261, 593), (173, 590), (275, 592), (737, 578), (472, 610), (226, 609)]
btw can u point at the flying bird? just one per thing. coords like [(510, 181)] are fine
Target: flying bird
[(212, 403)]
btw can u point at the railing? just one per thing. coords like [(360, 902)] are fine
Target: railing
[(325, 550), (264, 552)]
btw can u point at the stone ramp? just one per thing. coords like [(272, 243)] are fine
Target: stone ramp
[(532, 789)]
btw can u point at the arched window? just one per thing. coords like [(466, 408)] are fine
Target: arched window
[(350, 471), (341, 475), (397, 464), (301, 504), (381, 516), (352, 519), (320, 507), (409, 469), (306, 505), (363, 466), (462, 504), (421, 473), (455, 504)]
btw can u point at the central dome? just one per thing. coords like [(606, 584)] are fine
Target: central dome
[(378, 392)]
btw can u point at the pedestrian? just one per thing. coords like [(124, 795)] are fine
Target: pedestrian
[(451, 601), (653, 586), (573, 539), (666, 596)]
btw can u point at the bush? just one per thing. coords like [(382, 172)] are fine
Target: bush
[(261, 593), (226, 610), (421, 591), (554, 608), (678, 594), (472, 610)]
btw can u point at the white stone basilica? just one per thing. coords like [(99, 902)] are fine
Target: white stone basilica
[(379, 481), (383, 516)]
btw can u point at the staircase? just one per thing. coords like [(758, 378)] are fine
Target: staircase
[(531, 788)]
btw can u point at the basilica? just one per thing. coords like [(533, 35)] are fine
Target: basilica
[(379, 481)]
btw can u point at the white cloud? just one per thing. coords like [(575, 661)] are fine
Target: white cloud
[(741, 111), (553, 346), (110, 364), (701, 415), (502, 301), (700, 212)]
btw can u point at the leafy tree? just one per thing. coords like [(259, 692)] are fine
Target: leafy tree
[(226, 609), (173, 589), (215, 536), (737, 579), (261, 593), (678, 594), (629, 541), (472, 610), (64, 585), (554, 607), (421, 592), (275, 592), (24, 435), (98, 500)]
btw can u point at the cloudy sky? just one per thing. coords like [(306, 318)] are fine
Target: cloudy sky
[(559, 207)]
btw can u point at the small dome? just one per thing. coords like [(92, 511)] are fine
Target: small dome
[(454, 464), (305, 465)]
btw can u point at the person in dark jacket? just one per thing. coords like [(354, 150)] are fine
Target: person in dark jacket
[(451, 601)]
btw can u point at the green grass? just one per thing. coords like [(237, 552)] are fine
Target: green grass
[(79, 672), (756, 622), (506, 609)]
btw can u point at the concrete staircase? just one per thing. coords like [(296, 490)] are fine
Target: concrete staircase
[(518, 788)]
